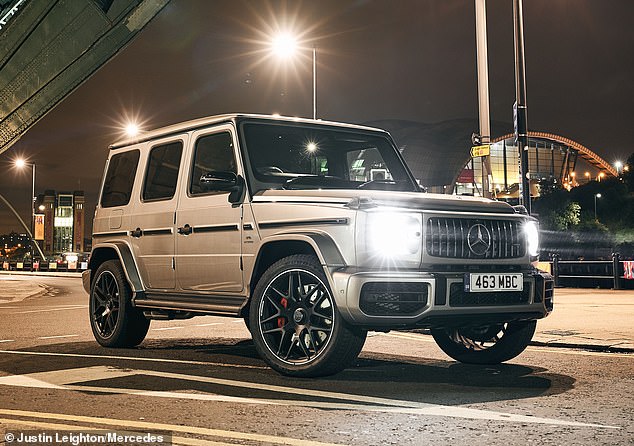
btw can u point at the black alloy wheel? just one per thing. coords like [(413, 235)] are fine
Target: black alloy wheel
[(487, 344), (298, 329), (113, 319)]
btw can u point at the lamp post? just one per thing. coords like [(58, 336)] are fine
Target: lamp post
[(595, 205), (20, 164), (619, 167), (284, 46)]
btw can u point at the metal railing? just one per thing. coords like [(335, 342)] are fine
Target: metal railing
[(595, 272), (43, 266)]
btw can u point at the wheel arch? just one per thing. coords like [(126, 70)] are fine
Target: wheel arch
[(117, 251), (277, 247)]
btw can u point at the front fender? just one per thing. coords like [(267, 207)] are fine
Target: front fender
[(324, 246)]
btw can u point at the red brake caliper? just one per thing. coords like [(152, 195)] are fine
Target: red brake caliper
[(281, 321)]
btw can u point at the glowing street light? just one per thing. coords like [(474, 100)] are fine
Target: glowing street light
[(595, 205), (285, 45), (132, 129), (618, 166)]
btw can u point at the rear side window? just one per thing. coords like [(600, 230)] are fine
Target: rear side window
[(117, 187), (162, 172)]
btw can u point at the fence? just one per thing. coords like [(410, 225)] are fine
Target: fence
[(45, 266), (615, 273)]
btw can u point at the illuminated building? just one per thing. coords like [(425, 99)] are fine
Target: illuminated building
[(64, 221)]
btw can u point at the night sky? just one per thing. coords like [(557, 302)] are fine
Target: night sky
[(410, 60)]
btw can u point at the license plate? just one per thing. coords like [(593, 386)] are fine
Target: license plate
[(481, 282)]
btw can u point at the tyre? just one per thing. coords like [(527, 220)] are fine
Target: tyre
[(295, 324), (113, 319), (491, 344)]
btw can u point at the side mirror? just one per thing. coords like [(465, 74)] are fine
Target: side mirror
[(224, 181)]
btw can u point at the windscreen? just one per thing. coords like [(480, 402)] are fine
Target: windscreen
[(302, 156)]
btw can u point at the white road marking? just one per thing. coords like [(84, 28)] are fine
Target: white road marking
[(149, 426), (238, 321), (59, 336), (6, 340), (44, 310), (208, 325), (130, 358), (70, 379), (166, 328)]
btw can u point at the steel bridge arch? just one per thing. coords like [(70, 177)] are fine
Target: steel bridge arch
[(586, 154)]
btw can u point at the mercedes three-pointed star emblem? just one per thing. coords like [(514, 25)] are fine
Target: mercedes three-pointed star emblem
[(479, 239)]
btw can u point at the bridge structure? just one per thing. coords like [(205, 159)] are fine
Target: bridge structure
[(569, 163), (50, 47)]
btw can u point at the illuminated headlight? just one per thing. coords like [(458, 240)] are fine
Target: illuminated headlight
[(532, 237), (394, 235)]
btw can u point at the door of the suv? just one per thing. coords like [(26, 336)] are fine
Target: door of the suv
[(152, 228), (208, 243)]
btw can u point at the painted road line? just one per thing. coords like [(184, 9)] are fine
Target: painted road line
[(45, 310), (130, 358), (166, 328), (561, 350), (70, 379), (145, 425), (6, 340), (59, 336), (208, 325), (73, 427)]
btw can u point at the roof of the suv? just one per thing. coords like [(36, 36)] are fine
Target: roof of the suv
[(210, 120)]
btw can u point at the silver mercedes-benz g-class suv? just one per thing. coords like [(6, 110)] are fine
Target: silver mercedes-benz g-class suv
[(313, 232)]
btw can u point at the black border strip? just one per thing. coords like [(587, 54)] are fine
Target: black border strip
[(323, 221), (110, 234), (157, 232), (225, 228)]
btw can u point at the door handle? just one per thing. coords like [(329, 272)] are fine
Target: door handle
[(185, 230), (136, 233)]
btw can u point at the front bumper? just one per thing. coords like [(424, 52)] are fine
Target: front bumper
[(440, 299)]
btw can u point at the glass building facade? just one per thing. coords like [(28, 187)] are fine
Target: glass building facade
[(548, 160)]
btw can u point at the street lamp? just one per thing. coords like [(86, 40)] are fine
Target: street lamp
[(21, 164), (285, 45), (595, 205), (618, 166)]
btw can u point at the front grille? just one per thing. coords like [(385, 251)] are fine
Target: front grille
[(458, 297), (393, 299), (470, 238)]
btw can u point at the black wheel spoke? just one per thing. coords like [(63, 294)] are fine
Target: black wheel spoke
[(273, 330), (277, 291), (318, 328), (300, 342), (322, 316), (100, 295), (278, 306), (271, 318)]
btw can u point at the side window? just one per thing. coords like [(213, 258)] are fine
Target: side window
[(117, 187), (213, 153), (162, 171)]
